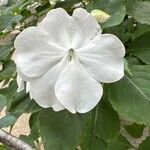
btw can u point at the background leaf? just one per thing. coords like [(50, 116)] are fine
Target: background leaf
[(135, 130), (116, 9), (130, 97), (140, 10), (60, 130), (140, 50), (7, 121), (106, 116), (145, 145)]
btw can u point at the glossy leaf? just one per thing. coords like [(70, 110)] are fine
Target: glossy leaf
[(130, 97)]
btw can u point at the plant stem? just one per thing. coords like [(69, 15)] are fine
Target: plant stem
[(13, 142)]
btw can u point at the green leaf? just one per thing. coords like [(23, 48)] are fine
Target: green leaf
[(60, 130), (34, 126), (132, 60), (115, 8), (143, 54), (106, 116), (88, 123), (98, 144), (8, 20), (4, 52), (8, 70), (123, 31), (7, 121), (140, 50), (2, 102), (140, 30), (119, 144), (27, 139), (145, 145), (130, 96), (139, 10), (3, 147), (19, 103), (135, 130), (97, 128)]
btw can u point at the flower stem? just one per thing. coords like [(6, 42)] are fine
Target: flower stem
[(13, 142)]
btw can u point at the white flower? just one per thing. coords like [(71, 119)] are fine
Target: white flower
[(3, 2), (65, 58)]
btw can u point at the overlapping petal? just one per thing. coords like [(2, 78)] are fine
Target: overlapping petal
[(20, 83), (76, 89), (103, 57), (35, 53), (59, 25), (70, 31), (87, 26), (42, 88)]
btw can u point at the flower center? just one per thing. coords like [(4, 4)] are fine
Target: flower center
[(71, 54)]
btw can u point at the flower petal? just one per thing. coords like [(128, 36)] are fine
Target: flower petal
[(20, 84), (42, 88), (35, 53), (88, 26), (70, 31), (76, 89), (103, 57), (59, 25)]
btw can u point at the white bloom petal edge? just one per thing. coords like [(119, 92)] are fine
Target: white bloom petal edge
[(35, 53), (103, 57), (76, 89)]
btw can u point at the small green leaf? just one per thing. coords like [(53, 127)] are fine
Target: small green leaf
[(8, 20), (135, 130), (4, 52), (8, 70), (7, 121), (60, 130), (34, 126)]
